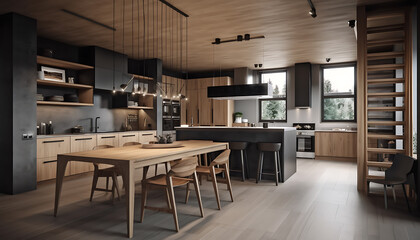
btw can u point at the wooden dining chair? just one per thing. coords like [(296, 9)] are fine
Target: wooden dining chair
[(217, 166), (109, 172), (179, 175)]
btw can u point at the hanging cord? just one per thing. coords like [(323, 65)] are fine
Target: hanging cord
[(144, 41), (153, 28), (113, 46)]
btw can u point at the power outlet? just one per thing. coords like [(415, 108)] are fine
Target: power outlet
[(27, 136)]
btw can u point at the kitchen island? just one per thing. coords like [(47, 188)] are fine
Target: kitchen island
[(253, 135)]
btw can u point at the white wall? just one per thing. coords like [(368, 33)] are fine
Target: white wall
[(250, 108)]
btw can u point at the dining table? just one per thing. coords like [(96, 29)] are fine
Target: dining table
[(127, 159)]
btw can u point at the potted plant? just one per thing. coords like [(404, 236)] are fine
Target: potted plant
[(238, 117)]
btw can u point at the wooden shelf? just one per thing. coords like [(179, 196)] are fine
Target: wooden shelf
[(386, 109), (386, 123), (374, 177), (63, 103), (385, 29), (385, 136), (385, 67), (384, 55), (61, 64), (385, 150), (62, 84), (139, 107), (385, 42), (386, 81), (379, 164), (387, 94), (141, 77)]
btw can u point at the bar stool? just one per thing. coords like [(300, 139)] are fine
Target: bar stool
[(240, 146), (269, 147)]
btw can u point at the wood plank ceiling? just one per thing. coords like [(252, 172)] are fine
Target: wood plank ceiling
[(291, 34)]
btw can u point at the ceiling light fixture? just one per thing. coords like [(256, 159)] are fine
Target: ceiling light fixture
[(312, 12), (238, 38)]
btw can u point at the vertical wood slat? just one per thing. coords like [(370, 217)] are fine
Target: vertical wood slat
[(408, 145), (361, 98)]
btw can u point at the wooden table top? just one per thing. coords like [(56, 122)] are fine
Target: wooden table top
[(136, 153)]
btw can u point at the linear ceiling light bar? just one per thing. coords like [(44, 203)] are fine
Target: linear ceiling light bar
[(238, 38), (88, 19), (174, 8)]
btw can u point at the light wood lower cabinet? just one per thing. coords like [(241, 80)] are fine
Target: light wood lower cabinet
[(127, 137), (47, 150), (147, 136), (107, 139), (79, 144), (336, 144)]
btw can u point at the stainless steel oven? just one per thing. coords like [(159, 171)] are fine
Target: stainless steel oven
[(167, 124), (305, 140), (166, 108), (176, 109)]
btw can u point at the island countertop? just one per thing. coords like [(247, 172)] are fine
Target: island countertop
[(238, 128)]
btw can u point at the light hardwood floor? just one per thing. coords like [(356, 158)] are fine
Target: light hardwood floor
[(319, 202)]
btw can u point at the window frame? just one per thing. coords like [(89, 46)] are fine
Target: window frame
[(260, 100), (354, 95)]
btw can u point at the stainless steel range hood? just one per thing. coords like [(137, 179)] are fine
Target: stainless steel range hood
[(243, 88)]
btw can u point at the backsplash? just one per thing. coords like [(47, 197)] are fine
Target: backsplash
[(64, 118)]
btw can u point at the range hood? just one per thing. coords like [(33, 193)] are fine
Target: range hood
[(303, 85), (243, 88)]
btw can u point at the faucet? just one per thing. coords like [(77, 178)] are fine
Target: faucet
[(96, 124)]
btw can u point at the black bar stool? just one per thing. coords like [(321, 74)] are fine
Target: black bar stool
[(240, 146), (269, 147)]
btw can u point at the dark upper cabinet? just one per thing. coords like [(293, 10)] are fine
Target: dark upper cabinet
[(105, 61), (303, 85)]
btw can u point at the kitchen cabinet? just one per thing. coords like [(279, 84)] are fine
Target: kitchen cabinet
[(79, 144), (192, 103), (336, 145), (47, 150), (205, 104), (223, 109), (147, 136), (127, 137), (107, 139)]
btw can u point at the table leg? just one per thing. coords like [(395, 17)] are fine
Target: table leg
[(128, 176), (61, 169)]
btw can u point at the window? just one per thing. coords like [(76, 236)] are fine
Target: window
[(338, 93), (274, 109)]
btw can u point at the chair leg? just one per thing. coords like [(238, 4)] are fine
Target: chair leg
[(246, 164), (168, 200), (187, 194), (385, 197), (156, 168), (259, 168), (172, 198), (197, 192), (393, 194), (276, 167), (144, 189), (216, 190), (113, 192), (280, 167), (406, 198), (94, 183), (115, 180), (228, 181), (243, 166), (107, 182)]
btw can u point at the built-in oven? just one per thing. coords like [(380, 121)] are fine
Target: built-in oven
[(167, 124), (305, 140), (176, 121), (166, 108), (176, 109)]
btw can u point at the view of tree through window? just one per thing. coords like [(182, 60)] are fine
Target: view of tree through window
[(338, 93), (274, 109)]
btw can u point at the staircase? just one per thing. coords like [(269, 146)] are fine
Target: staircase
[(384, 90)]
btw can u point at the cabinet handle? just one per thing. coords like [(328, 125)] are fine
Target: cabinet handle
[(129, 135), (53, 141), (108, 137), (147, 134), (81, 139), (49, 161)]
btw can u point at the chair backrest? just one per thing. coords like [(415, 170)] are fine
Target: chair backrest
[(102, 147), (184, 167), (131, 144), (400, 168), (223, 158)]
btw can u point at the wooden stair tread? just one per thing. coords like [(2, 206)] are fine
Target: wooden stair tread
[(384, 42), (385, 150), (384, 29), (385, 80), (384, 67), (378, 164), (386, 123), (387, 94), (385, 136), (384, 55), (385, 109)]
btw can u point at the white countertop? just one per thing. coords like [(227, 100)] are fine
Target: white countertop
[(87, 134), (221, 127), (340, 131)]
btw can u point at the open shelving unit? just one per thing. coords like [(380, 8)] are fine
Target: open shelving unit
[(84, 92)]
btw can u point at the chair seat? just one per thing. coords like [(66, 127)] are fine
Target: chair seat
[(206, 170), (389, 181), (238, 145), (160, 180), (269, 147)]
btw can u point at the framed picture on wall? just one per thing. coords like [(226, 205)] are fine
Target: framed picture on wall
[(53, 74)]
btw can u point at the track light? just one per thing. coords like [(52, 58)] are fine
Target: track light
[(239, 38), (247, 37), (312, 12), (352, 23)]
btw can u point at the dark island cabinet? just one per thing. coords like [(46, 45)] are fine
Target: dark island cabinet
[(105, 61)]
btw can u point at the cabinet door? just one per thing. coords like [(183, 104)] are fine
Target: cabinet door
[(146, 137), (192, 103), (107, 139), (47, 150), (344, 144), (205, 106), (184, 102), (223, 109), (47, 168), (127, 137), (323, 144), (79, 144), (106, 63)]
